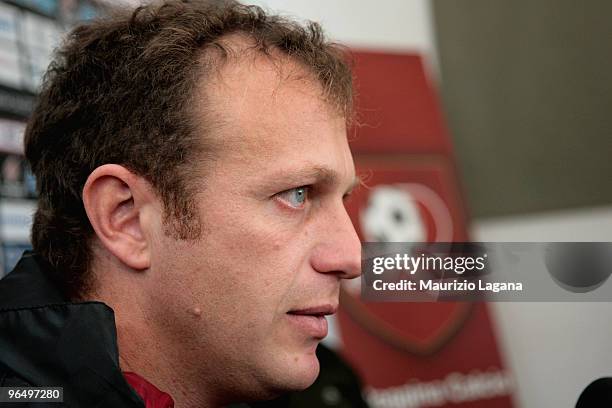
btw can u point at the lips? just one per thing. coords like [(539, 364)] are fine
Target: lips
[(311, 320), (320, 310)]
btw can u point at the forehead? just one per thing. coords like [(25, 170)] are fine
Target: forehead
[(266, 108), (249, 84)]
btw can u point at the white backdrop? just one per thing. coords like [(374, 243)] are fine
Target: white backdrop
[(555, 349)]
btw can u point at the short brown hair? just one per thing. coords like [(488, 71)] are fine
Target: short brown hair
[(120, 91)]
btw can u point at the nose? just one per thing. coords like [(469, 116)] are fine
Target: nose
[(339, 249)]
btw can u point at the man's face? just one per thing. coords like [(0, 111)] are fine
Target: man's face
[(276, 237)]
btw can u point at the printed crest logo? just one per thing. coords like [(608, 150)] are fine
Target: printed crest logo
[(411, 213), (406, 212), (392, 215)]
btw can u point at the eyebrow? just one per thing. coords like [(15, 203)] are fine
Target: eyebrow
[(316, 175)]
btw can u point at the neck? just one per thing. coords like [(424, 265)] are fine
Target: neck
[(146, 358), (151, 347)]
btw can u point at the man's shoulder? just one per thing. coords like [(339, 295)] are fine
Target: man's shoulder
[(46, 340), (29, 284)]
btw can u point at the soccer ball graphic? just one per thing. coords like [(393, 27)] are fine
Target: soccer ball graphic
[(392, 215)]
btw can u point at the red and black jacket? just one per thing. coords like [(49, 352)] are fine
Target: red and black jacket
[(46, 340)]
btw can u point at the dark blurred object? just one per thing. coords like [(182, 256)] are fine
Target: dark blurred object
[(597, 395), (579, 267), (30, 30), (16, 179), (337, 386)]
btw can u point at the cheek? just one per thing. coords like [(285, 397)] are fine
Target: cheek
[(256, 269), (246, 264), (258, 235), (261, 279)]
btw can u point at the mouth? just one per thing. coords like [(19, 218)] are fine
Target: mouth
[(311, 320), (317, 310)]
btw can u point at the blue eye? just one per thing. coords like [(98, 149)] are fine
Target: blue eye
[(295, 197)]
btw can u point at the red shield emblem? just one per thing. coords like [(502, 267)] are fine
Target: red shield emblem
[(406, 201)]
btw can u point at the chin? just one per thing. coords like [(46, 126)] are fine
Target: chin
[(281, 373), (297, 373)]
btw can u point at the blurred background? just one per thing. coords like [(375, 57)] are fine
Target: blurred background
[(491, 117)]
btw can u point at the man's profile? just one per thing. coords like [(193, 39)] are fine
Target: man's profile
[(191, 162)]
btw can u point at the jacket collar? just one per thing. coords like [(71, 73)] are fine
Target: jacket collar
[(30, 283), (49, 341)]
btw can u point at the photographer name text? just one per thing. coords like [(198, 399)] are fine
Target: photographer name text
[(419, 266), (447, 286)]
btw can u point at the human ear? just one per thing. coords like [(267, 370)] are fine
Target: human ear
[(116, 201)]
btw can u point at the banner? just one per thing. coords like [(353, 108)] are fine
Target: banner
[(412, 354)]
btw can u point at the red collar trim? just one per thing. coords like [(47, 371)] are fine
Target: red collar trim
[(150, 394)]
